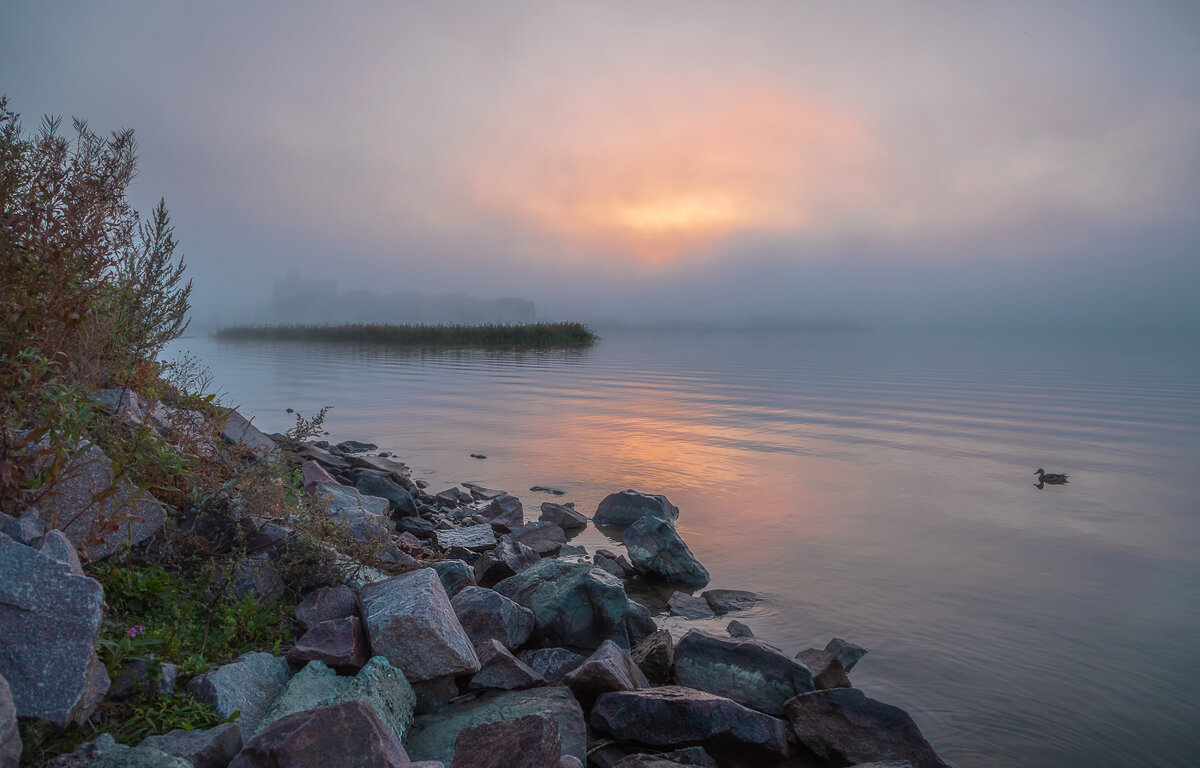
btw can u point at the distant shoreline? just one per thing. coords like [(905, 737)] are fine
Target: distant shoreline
[(520, 335)]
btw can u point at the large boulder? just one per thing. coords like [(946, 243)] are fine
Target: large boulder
[(455, 575), (249, 685), (563, 516), (340, 643), (326, 603), (203, 748), (499, 669), (507, 559), (50, 622), (608, 669), (672, 716), (574, 604), (542, 537), (400, 501), (655, 656), (525, 742), (104, 752), (98, 513), (747, 671), (505, 513), (551, 663), (379, 684), (476, 538), (627, 507), (486, 614), (844, 727), (10, 736), (237, 430), (411, 623), (347, 735), (433, 736), (658, 552)]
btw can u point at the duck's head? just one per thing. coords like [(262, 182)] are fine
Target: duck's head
[(1040, 471)]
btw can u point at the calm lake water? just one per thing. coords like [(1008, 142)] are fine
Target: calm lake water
[(873, 487)]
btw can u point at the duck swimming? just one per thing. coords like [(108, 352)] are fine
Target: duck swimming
[(1050, 479)]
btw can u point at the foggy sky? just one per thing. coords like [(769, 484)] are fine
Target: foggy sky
[(1024, 164)]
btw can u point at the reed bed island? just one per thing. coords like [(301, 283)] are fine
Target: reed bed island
[(520, 335)]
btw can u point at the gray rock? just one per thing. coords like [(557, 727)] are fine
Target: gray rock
[(476, 538), (573, 550), (483, 493), (617, 565), (56, 546), (455, 575), (542, 537), (379, 684), (10, 736), (627, 507), (689, 606), (639, 623), (657, 552), (422, 529), (672, 716), (432, 736), (237, 430), (690, 756), (325, 604), (49, 625), (400, 502), (26, 529), (249, 685), (608, 669), (507, 559), (738, 629), (348, 735), (845, 727), (563, 516), (569, 761), (727, 600), (203, 748), (827, 671), (655, 656), (847, 653), (324, 457), (411, 623), (551, 663), (256, 575), (363, 517), (104, 752), (396, 470), (531, 741), (313, 474), (71, 507), (486, 614), (746, 671), (500, 670), (573, 604), (354, 446), (505, 513), (340, 643)]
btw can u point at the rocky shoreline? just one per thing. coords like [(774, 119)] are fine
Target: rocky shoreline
[(484, 639)]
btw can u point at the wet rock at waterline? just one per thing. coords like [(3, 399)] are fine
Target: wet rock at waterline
[(844, 726), (543, 537), (400, 502), (690, 606), (827, 671), (674, 716), (505, 513), (563, 516), (574, 604), (747, 671), (508, 558), (847, 653), (724, 601), (629, 506), (657, 551), (411, 623), (738, 629), (49, 625)]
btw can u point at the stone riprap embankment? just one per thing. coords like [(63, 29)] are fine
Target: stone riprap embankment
[(493, 644)]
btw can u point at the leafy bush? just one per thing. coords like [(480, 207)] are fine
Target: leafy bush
[(90, 292)]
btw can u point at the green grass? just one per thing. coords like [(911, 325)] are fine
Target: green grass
[(523, 335)]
